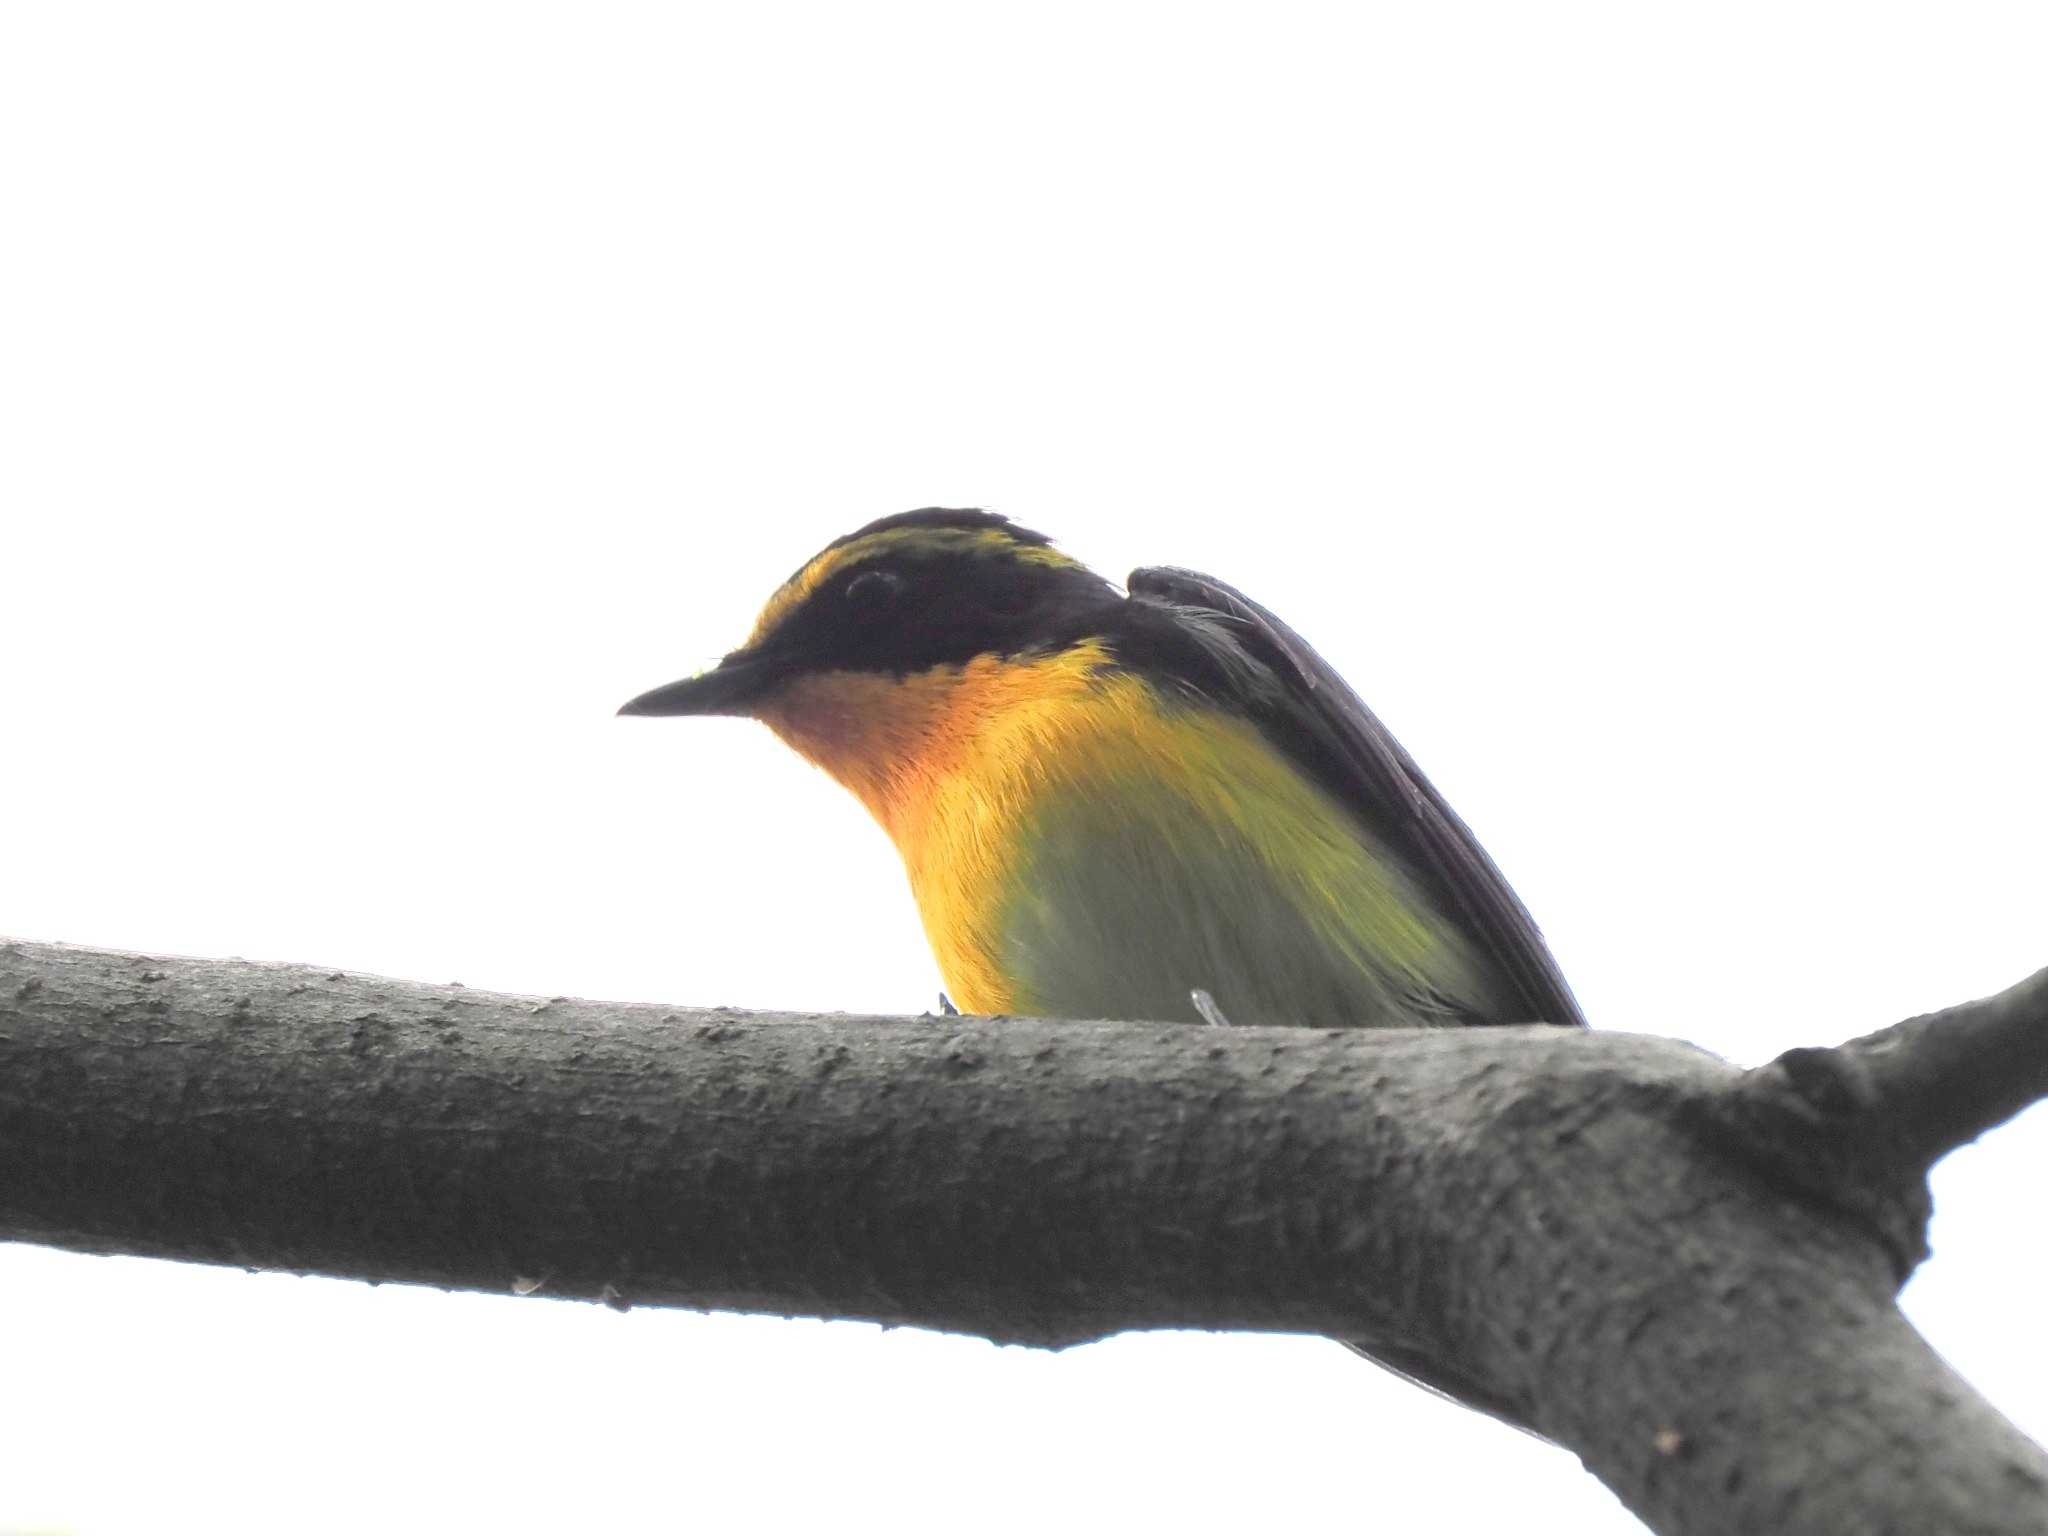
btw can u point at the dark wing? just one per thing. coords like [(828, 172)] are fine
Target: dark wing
[(1325, 727)]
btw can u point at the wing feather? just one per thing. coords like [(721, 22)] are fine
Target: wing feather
[(1315, 716)]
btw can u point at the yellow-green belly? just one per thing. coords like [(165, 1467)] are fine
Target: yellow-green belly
[(1106, 856)]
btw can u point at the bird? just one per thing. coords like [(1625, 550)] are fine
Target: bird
[(1149, 803)]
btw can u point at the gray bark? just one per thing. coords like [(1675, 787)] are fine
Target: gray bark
[(1683, 1272)]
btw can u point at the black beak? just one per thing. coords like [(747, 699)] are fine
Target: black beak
[(732, 687)]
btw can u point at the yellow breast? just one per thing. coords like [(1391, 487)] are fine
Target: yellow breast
[(957, 765), (949, 762)]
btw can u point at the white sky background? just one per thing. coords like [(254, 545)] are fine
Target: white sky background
[(1642, 406)]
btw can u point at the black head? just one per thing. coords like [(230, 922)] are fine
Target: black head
[(903, 595)]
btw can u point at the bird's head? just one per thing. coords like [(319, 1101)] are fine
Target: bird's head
[(886, 637)]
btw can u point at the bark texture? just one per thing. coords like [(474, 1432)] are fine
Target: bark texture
[(1683, 1272)]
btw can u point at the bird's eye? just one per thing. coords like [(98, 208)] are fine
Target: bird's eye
[(873, 587)]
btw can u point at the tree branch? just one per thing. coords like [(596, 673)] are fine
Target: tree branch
[(1943, 1079), (1572, 1218), (1857, 1126)]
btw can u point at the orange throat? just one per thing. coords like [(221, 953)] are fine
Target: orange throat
[(949, 762), (899, 743), (878, 736)]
